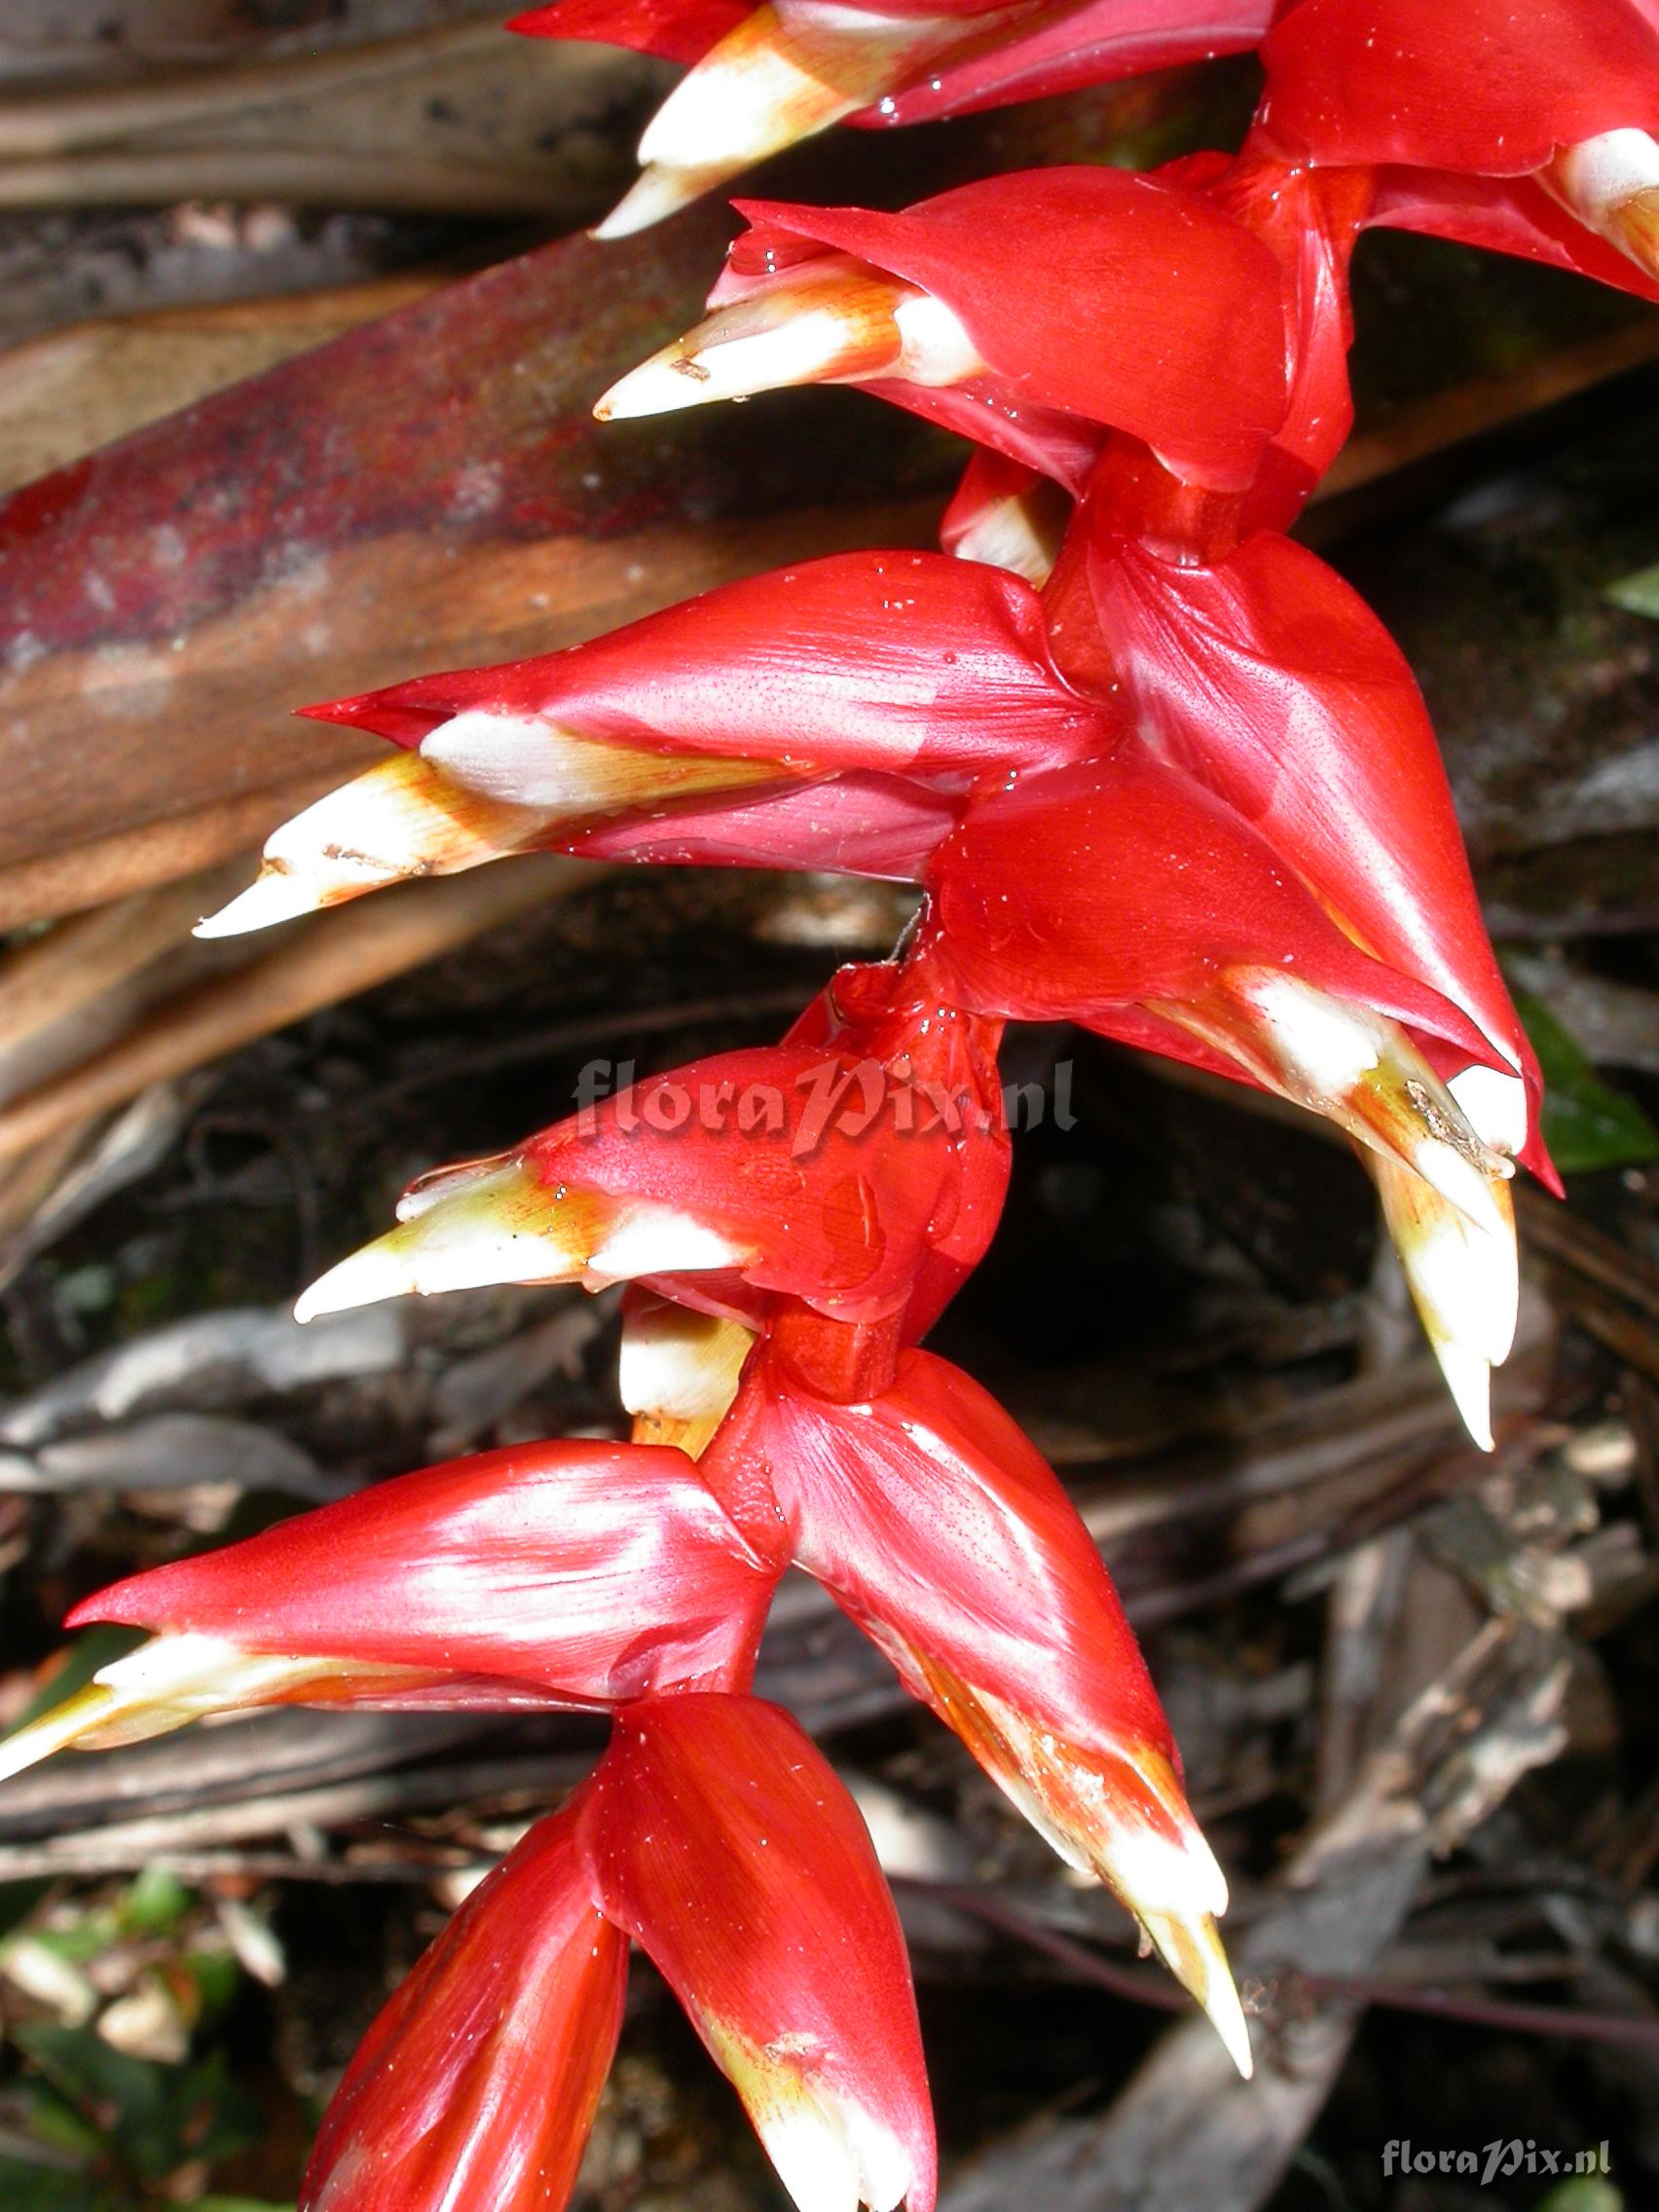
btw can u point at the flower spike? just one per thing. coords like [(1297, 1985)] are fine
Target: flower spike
[(719, 1838), (933, 1521), (478, 2083)]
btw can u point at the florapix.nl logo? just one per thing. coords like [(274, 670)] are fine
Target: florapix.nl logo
[(839, 1096)]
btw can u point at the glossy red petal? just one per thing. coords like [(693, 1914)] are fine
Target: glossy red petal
[(592, 1571), (944, 1531), (676, 30), (721, 1841), (1481, 85), (855, 824), (1502, 215), (839, 1170), (895, 662), (1102, 886), (1064, 48), (1118, 319), (477, 2083), (1268, 678)]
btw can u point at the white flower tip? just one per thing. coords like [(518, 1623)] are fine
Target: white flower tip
[(1191, 1950), (678, 1374), (1469, 1377), (275, 894), (1447, 1168), (1496, 1106), (655, 194), (669, 381), (364, 1277)]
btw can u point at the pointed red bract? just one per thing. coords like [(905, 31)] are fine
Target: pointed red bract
[(1078, 895), (1059, 48), (675, 30), (1038, 50), (1482, 85), (1268, 680), (588, 1571), (1502, 215), (898, 662), (1094, 297), (834, 1169), (721, 1841), (941, 1529), (854, 823), (477, 2083)]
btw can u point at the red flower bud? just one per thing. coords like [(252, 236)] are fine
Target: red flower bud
[(1482, 86), (830, 1169), (1268, 678), (477, 2083)]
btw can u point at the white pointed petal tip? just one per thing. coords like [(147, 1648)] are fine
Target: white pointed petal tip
[(476, 1229), (1191, 1950), (1469, 1377), (61, 1730), (163, 1685), (400, 819), (274, 896), (1465, 1282), (658, 192), (468, 1228)]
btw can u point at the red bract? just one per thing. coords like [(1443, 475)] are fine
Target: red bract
[(1094, 297), (720, 1840), (1124, 882), (514, 1571), (909, 663), (943, 1533), (1033, 48), (1483, 86), (1503, 215), (1268, 678), (824, 1170), (1059, 48), (477, 2083)]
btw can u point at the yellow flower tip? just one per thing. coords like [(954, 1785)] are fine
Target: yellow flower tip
[(67, 1725), (461, 1230)]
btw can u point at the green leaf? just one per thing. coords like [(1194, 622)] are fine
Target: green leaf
[(157, 2116), (1637, 594), (28, 2188), (1587, 1123), (155, 1904)]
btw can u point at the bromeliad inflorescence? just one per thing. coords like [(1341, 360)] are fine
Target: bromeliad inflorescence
[(1155, 770)]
